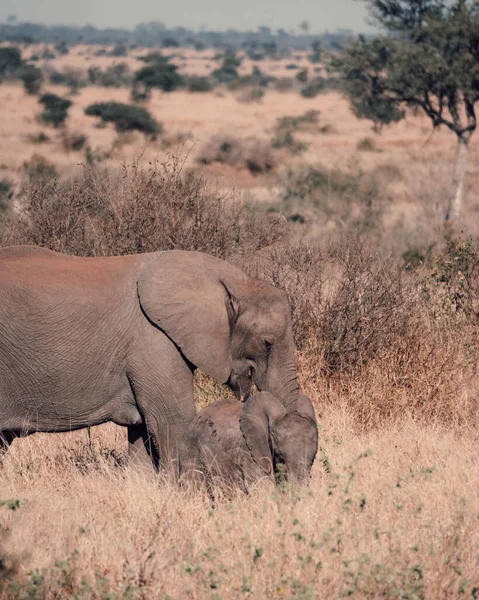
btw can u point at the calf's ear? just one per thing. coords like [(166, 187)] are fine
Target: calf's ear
[(260, 414)]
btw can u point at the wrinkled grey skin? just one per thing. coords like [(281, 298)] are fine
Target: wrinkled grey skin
[(231, 444), (89, 340)]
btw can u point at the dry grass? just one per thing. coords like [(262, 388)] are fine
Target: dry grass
[(390, 514)]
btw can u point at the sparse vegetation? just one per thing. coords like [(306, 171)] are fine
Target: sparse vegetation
[(39, 138), (313, 88), (252, 154), (315, 56), (366, 145), (117, 75), (39, 171), (71, 77), (73, 141), (228, 71)]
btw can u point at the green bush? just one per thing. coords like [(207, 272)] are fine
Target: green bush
[(10, 60), (152, 57), (199, 84), (315, 57), (257, 79), (126, 117), (6, 194), (228, 70), (250, 153), (170, 42), (119, 50), (47, 54), (73, 141), (32, 78), (160, 74), (314, 87), (56, 109), (302, 76), (62, 48), (286, 139), (345, 200), (285, 128)]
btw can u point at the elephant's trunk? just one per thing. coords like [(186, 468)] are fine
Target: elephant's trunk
[(282, 382)]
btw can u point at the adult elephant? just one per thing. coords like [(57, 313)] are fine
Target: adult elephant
[(89, 340)]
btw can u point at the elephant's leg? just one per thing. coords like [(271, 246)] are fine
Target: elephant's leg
[(167, 415), (168, 435), (142, 454), (162, 384)]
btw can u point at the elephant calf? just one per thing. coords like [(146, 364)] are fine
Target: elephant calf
[(231, 443)]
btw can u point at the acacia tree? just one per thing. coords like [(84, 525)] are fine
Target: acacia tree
[(428, 59)]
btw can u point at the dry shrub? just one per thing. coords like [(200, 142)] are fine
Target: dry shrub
[(138, 209), (73, 141), (251, 153), (39, 170), (341, 201), (371, 334), (284, 84), (367, 335)]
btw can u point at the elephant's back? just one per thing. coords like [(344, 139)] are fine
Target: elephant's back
[(217, 427), (23, 251), (39, 269)]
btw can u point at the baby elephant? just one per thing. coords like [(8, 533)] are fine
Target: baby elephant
[(231, 443)]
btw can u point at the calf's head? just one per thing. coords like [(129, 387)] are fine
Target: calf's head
[(281, 442)]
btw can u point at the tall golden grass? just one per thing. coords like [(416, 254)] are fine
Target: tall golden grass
[(388, 514)]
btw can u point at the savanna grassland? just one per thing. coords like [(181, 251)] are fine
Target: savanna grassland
[(385, 321)]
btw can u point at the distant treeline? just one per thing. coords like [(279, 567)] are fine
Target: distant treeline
[(157, 34)]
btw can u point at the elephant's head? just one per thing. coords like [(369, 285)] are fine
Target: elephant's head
[(281, 442), (232, 327)]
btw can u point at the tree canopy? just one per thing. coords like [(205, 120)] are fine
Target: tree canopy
[(56, 109), (126, 117), (428, 59)]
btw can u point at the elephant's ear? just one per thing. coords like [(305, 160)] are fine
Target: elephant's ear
[(260, 413), (189, 296), (305, 407)]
